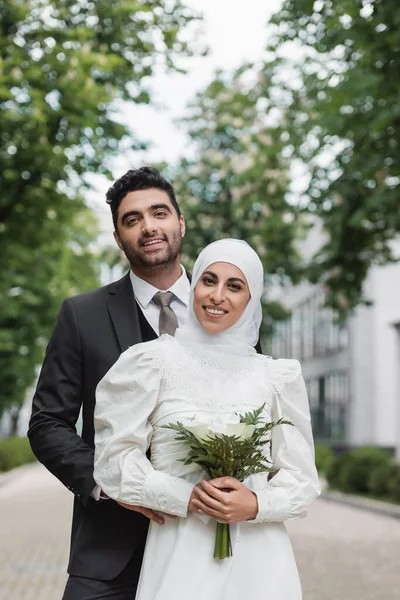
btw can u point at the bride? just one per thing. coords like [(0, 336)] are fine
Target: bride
[(209, 369)]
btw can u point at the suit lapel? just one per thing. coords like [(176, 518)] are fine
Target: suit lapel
[(123, 312)]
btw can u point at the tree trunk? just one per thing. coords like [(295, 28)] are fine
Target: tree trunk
[(14, 419)]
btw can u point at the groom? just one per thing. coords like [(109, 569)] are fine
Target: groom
[(92, 329)]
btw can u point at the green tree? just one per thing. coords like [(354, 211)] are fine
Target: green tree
[(331, 77), (236, 183), (38, 278), (65, 68)]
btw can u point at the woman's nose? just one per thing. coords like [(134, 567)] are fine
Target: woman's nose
[(217, 295)]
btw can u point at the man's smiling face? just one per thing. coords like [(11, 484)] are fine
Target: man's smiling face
[(149, 229)]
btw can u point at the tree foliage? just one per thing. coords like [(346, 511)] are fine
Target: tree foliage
[(65, 67), (236, 182), (331, 79)]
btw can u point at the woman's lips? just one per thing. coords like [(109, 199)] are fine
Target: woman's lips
[(214, 313)]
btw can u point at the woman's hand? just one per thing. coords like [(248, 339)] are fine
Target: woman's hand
[(225, 499)]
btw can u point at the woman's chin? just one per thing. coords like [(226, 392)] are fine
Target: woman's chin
[(214, 328)]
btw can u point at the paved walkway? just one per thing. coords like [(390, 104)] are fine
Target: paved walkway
[(343, 553), (346, 553), (35, 513)]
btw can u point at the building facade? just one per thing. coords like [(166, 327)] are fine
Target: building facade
[(351, 369)]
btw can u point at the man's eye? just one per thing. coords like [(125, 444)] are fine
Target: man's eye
[(131, 221), (160, 213)]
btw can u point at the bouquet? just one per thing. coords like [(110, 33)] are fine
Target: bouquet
[(232, 446)]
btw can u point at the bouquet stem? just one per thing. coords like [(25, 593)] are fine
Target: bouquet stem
[(223, 548)]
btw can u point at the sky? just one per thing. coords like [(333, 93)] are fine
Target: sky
[(235, 32)]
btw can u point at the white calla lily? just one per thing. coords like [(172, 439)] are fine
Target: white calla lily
[(240, 430), (200, 430), (231, 426), (221, 425)]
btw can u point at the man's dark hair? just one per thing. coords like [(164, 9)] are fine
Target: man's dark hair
[(138, 179)]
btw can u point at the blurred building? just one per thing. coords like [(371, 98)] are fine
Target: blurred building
[(351, 369)]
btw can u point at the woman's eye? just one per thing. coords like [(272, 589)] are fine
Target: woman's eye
[(235, 287), (208, 281)]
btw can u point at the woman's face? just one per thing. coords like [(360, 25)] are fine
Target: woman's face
[(220, 297)]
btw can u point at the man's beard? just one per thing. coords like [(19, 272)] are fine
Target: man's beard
[(161, 259)]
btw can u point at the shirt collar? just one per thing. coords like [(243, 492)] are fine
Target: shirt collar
[(144, 291)]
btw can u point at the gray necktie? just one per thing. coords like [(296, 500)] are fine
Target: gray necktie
[(168, 322)]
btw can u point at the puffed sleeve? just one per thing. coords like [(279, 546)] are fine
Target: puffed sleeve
[(125, 400), (289, 493)]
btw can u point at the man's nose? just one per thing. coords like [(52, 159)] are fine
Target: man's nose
[(148, 225)]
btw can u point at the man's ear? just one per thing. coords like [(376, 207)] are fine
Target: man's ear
[(183, 225), (117, 239)]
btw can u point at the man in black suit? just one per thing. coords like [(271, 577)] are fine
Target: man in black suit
[(92, 329)]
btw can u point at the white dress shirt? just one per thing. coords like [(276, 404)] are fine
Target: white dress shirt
[(144, 293)]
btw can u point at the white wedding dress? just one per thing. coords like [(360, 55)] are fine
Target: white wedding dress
[(162, 382)]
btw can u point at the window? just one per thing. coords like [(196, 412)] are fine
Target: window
[(329, 399), (311, 331)]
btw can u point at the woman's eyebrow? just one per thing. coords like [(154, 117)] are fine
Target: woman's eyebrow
[(230, 278), (236, 279), (210, 273)]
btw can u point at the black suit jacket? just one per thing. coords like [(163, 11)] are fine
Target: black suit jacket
[(92, 330)]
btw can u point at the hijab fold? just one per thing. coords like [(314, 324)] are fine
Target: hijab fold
[(241, 337)]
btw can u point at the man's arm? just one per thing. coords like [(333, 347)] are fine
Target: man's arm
[(56, 406)]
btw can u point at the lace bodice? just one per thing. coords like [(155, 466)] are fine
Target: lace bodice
[(203, 379)]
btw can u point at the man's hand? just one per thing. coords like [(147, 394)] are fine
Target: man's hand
[(147, 512), (225, 499)]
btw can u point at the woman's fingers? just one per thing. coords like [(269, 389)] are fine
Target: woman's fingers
[(207, 499), (225, 482), (202, 508), (238, 504), (201, 501), (214, 492)]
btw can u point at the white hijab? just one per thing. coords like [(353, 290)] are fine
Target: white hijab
[(243, 335)]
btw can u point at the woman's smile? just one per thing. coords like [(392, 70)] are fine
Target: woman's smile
[(214, 313)]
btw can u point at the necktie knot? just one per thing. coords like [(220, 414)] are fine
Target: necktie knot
[(168, 322), (163, 299)]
